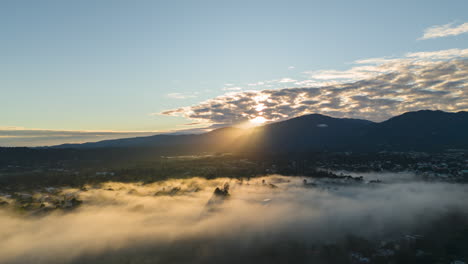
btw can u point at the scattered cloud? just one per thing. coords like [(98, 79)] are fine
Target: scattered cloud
[(236, 88), (272, 83), (374, 89), (446, 30), (439, 55), (181, 95), (192, 124), (286, 80), (291, 68), (256, 84), (355, 73)]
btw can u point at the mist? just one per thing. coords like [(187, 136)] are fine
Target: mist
[(170, 222)]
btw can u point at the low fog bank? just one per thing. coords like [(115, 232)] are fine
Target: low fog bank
[(169, 222), (387, 177)]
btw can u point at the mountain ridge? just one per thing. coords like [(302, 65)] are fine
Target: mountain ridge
[(418, 130)]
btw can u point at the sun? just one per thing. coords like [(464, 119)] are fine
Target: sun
[(258, 120)]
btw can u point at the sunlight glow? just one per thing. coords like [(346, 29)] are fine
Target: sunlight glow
[(258, 120), (260, 107)]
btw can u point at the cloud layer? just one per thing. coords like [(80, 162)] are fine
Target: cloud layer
[(128, 223), (36, 137), (373, 89), (445, 31)]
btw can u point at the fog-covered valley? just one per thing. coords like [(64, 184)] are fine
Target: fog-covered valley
[(266, 219)]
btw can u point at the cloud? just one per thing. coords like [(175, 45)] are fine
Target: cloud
[(127, 222), (373, 89), (256, 84), (446, 30), (439, 55), (181, 95), (235, 88), (355, 73), (271, 83), (286, 80), (36, 137)]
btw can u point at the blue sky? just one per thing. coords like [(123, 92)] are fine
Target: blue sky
[(116, 65)]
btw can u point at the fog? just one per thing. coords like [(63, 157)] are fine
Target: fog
[(388, 177), (155, 223)]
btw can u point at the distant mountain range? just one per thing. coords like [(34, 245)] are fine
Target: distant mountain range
[(413, 131)]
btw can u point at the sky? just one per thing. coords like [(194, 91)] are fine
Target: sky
[(78, 71)]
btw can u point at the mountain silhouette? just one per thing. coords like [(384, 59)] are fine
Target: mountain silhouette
[(424, 130)]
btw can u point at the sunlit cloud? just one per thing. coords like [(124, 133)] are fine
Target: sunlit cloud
[(286, 80), (374, 89), (439, 55), (446, 30), (258, 120)]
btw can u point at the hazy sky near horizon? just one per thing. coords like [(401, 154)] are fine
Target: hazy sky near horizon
[(75, 71)]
